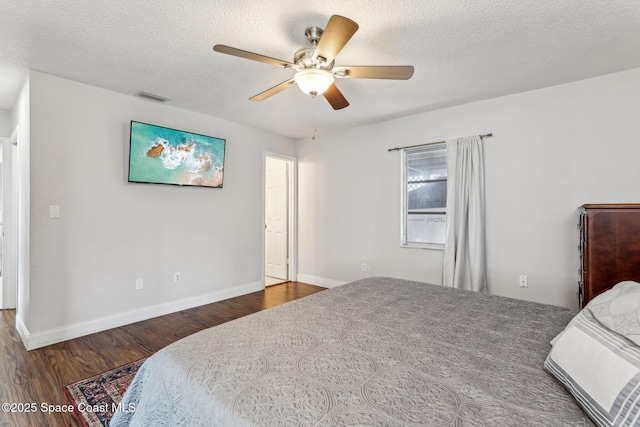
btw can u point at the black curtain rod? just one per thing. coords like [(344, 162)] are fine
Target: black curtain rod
[(431, 143)]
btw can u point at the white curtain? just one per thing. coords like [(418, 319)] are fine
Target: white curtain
[(464, 250)]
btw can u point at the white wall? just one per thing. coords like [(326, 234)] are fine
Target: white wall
[(5, 132), (554, 149), (111, 232), (5, 123)]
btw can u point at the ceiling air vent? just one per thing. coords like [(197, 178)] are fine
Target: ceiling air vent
[(153, 97)]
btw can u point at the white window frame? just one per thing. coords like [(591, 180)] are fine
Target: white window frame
[(404, 205)]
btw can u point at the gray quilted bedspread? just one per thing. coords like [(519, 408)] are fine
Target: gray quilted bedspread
[(375, 352)]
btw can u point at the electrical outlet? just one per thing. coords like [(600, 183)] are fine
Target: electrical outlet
[(176, 278), (523, 281), (139, 284), (364, 267)]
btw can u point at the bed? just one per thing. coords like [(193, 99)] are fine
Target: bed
[(374, 352)]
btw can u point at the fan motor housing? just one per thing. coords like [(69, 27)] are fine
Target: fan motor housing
[(304, 59)]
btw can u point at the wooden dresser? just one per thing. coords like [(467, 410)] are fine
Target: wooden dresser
[(609, 247)]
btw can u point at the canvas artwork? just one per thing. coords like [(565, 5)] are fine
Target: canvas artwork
[(162, 155)]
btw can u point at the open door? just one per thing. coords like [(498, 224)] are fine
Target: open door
[(276, 218)]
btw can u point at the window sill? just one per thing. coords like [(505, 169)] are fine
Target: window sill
[(432, 246)]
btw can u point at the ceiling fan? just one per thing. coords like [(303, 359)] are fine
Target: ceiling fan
[(315, 64)]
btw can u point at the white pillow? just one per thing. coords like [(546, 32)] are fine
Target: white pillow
[(601, 369), (618, 309)]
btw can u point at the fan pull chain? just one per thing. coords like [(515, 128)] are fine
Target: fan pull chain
[(315, 129)]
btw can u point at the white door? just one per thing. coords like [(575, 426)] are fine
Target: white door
[(276, 218)]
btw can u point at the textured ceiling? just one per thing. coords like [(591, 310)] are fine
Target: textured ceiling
[(462, 51)]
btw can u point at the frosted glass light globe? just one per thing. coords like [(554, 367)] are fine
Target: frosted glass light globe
[(313, 81)]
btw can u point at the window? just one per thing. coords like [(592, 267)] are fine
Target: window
[(424, 196)]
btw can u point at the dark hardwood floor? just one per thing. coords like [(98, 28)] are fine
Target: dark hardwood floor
[(38, 376)]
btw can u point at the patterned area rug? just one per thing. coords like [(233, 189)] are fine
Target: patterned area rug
[(96, 398)]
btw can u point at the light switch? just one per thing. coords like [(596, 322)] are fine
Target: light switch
[(54, 211)]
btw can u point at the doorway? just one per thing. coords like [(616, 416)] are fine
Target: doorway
[(279, 219)]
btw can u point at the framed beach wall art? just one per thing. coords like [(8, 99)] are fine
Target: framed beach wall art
[(160, 155)]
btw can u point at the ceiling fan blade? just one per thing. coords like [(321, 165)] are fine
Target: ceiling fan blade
[(335, 98), (253, 56), (338, 32), (400, 72), (273, 91)]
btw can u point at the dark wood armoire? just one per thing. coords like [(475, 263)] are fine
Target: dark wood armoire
[(609, 247)]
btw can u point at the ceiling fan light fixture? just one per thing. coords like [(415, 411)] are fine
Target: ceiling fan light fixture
[(314, 81), (314, 64)]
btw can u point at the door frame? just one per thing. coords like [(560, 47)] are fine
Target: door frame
[(3, 141), (10, 252), (292, 213)]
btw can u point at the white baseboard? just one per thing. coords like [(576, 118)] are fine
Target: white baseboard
[(52, 336), (319, 281), (22, 330)]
